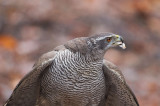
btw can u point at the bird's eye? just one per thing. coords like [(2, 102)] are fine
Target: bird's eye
[(108, 39)]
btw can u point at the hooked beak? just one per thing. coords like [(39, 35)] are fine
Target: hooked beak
[(120, 42)]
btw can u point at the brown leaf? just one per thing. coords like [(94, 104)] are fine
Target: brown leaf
[(8, 42)]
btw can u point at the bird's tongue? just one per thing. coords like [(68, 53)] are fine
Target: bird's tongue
[(122, 45)]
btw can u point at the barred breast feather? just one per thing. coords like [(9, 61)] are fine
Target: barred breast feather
[(77, 81)]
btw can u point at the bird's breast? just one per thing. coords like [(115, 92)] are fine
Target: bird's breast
[(70, 76)]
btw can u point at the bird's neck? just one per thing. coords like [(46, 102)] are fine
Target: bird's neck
[(82, 46), (96, 55)]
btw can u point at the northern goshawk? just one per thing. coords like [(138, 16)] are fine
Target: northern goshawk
[(75, 74)]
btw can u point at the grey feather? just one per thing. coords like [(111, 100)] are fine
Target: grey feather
[(27, 90), (118, 92)]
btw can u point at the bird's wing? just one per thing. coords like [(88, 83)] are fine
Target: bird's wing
[(27, 91), (118, 92)]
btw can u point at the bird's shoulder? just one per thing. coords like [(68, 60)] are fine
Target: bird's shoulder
[(46, 58), (112, 70)]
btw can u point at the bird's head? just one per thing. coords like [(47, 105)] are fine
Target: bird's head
[(104, 41)]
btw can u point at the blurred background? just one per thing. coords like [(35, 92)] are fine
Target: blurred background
[(29, 28)]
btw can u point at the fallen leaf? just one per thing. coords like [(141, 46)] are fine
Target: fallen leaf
[(8, 42)]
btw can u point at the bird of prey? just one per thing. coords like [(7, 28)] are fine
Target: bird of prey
[(75, 74)]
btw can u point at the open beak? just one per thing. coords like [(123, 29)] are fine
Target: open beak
[(120, 42)]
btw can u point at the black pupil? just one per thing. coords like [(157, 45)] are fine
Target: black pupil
[(109, 39)]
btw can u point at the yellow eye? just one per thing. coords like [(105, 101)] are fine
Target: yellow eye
[(108, 40)]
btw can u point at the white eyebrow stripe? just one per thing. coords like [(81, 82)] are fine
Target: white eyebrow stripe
[(100, 38)]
